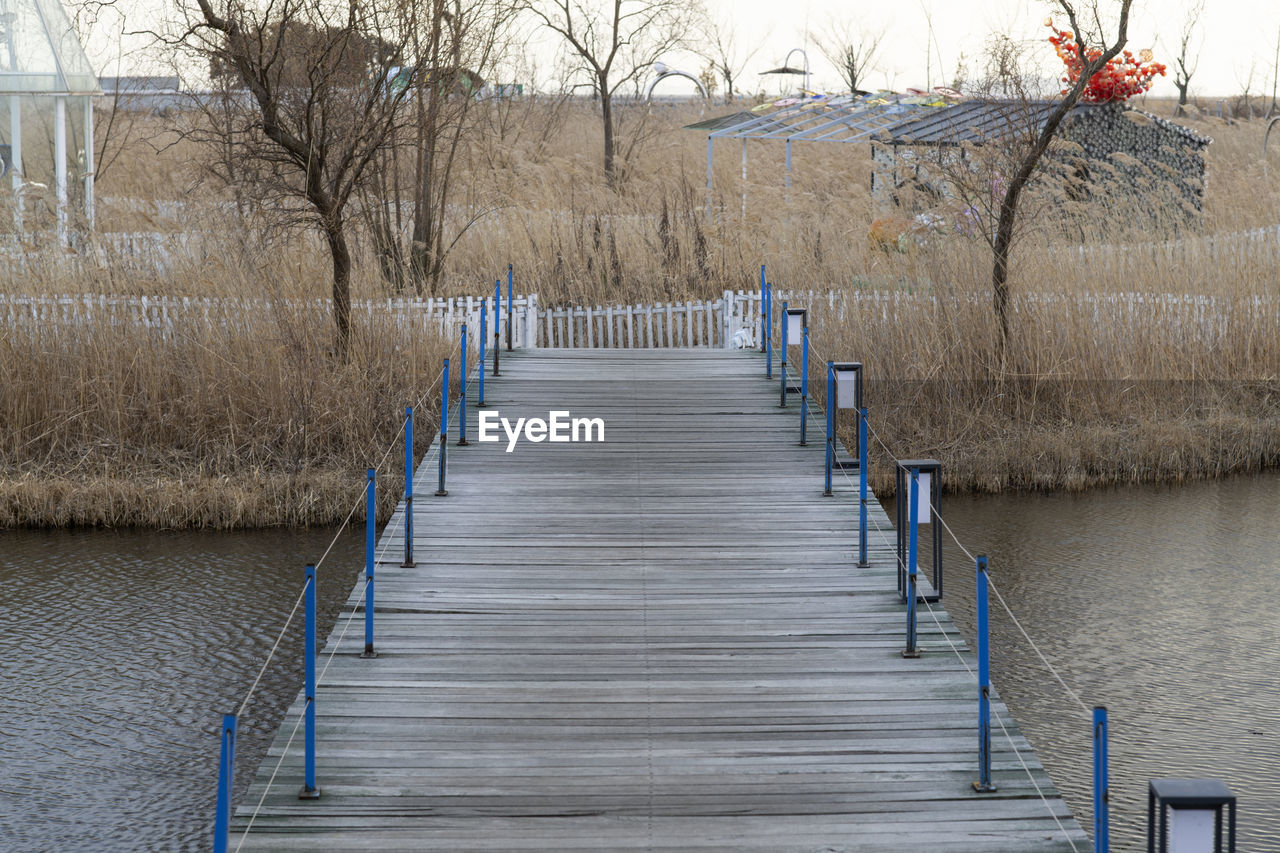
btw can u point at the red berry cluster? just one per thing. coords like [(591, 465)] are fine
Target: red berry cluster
[(1121, 78)]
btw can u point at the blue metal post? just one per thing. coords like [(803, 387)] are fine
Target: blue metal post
[(804, 386), (984, 784), (831, 427), (764, 327), (409, 562), (862, 485), (484, 316), (768, 331), (511, 300), (462, 390), (370, 537), (497, 325), (782, 357), (309, 790), (1101, 809), (911, 651), (226, 784), (441, 491)]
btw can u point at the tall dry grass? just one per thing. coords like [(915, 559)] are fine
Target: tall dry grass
[(230, 420), (252, 423)]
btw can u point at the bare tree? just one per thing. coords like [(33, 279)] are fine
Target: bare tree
[(966, 182), (1244, 101), (616, 42), (720, 48), (309, 99), (458, 45), (102, 23), (408, 207), (851, 51), (1094, 52), (1185, 63)]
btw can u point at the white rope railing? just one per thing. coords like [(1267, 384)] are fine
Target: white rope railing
[(954, 648), (431, 454)]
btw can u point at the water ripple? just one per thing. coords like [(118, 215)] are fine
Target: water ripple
[(1157, 603), (121, 651)]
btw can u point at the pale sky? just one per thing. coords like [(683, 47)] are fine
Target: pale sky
[(1237, 36)]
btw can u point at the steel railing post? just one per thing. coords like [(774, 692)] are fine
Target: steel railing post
[(913, 529), (409, 562), (441, 491), (831, 427), (226, 784), (984, 783), (370, 538), (462, 390), (309, 790)]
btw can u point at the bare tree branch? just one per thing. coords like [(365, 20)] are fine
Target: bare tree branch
[(617, 41), (720, 48), (851, 51), (1185, 63), (1039, 143)]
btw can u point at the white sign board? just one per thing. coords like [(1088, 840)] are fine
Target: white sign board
[(923, 497), (795, 328), (1191, 830), (846, 389)]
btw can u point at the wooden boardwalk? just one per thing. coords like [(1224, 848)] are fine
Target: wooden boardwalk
[(659, 642)]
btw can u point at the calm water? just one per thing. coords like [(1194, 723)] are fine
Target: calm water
[(119, 653), (1159, 603), (121, 650)]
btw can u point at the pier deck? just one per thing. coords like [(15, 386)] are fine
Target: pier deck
[(658, 642)]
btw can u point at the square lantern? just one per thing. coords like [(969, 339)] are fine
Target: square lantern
[(848, 377), (797, 320), (1186, 816), (928, 501)]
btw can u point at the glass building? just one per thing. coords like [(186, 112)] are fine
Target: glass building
[(47, 87)]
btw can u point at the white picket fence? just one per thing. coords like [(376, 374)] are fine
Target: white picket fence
[(1212, 250), (164, 314), (731, 321), (712, 323)]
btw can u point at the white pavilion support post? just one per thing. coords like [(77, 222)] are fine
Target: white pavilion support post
[(60, 163), (744, 177), (89, 162), (15, 154), (710, 166)]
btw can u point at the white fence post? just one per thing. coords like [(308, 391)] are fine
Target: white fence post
[(728, 328), (531, 321)]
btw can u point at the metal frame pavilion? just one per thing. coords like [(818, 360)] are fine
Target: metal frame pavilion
[(843, 118)]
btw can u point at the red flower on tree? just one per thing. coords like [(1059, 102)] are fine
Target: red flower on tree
[(1121, 78)]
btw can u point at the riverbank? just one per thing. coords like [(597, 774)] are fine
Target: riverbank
[(1098, 384), (225, 419), (218, 420), (241, 500), (987, 441), (1162, 434)]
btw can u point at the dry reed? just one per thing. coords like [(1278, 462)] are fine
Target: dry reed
[(231, 420), (249, 422)]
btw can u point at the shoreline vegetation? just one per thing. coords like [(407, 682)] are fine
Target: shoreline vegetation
[(236, 421)]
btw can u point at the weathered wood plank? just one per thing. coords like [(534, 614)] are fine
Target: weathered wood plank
[(659, 642)]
